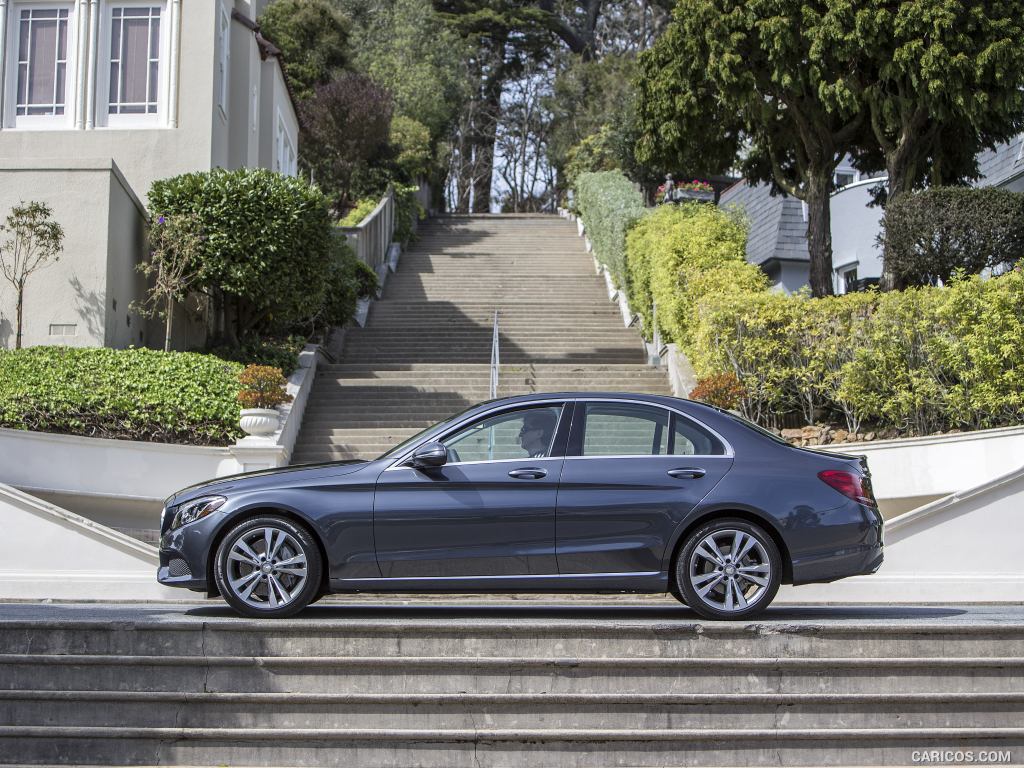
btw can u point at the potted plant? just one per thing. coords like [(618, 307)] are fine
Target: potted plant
[(262, 391), (694, 190)]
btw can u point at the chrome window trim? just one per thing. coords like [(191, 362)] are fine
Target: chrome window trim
[(729, 452), (469, 420)]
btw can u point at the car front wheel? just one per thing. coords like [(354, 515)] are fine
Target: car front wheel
[(728, 569), (268, 567)]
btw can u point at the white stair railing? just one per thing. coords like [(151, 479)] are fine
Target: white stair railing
[(495, 357), (371, 237)]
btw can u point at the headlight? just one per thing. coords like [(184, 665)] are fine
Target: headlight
[(196, 509)]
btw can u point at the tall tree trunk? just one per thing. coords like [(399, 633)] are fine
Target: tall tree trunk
[(169, 325), (819, 231), (21, 304), (901, 183)]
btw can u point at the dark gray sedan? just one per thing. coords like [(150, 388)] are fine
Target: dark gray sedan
[(569, 492)]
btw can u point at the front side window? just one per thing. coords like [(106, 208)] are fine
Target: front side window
[(519, 434), (134, 61), (42, 51)]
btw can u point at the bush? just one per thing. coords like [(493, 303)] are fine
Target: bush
[(262, 386), (348, 280), (279, 352), (594, 153), (132, 394), (362, 209), (408, 212), (679, 255), (266, 242), (723, 390), (929, 235), (609, 204)]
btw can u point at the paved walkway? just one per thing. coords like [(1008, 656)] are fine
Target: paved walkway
[(474, 611)]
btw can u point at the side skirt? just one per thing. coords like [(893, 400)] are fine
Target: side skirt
[(652, 581)]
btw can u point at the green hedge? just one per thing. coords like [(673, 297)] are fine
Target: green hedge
[(678, 253), (133, 394), (609, 205), (919, 361), (276, 352)]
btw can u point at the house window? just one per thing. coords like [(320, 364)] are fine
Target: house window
[(850, 280), (42, 49), (223, 58), (844, 178), (134, 61), (285, 160)]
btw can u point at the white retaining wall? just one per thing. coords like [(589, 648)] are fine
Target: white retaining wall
[(59, 555)]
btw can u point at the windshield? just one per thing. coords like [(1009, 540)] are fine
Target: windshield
[(391, 452)]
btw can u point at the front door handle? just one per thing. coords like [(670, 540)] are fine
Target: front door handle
[(528, 473), (691, 472)]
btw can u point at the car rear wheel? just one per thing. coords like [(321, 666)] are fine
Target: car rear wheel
[(268, 567), (728, 569)]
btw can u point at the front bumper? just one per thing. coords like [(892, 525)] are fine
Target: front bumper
[(184, 554)]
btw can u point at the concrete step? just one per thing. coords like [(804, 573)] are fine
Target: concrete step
[(525, 674), (507, 711)]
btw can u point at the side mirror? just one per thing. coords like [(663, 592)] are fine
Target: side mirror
[(429, 455)]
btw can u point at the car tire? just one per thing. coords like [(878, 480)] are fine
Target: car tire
[(277, 586), (717, 585)]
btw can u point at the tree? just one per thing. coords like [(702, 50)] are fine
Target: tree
[(265, 249), (313, 36), (347, 124), (944, 80), (770, 77), (176, 244), (34, 241)]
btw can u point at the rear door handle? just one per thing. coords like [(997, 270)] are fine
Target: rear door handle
[(691, 472), (528, 473)]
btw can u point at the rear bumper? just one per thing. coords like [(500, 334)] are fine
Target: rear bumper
[(857, 555)]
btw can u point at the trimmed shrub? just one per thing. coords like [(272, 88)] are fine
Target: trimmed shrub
[(680, 255), (609, 204), (279, 352), (348, 280), (408, 212), (266, 242), (132, 394), (928, 235), (362, 209)]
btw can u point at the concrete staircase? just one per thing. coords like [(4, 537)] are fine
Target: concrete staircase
[(425, 351), (475, 686)]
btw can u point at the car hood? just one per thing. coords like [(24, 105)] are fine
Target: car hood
[(265, 478)]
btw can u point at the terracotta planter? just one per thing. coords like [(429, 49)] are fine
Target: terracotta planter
[(259, 422)]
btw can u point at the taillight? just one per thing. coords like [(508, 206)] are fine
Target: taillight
[(851, 485)]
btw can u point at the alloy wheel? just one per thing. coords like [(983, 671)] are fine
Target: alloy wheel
[(730, 570), (266, 568)]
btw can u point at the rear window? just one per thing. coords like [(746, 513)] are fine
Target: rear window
[(755, 427)]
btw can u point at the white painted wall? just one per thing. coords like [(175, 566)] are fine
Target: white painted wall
[(963, 548), (855, 229), (938, 465), (53, 553)]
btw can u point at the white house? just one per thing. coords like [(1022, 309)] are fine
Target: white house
[(99, 99), (778, 225)]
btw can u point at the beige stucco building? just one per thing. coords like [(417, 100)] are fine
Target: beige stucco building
[(100, 98)]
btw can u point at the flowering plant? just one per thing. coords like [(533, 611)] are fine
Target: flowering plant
[(695, 186)]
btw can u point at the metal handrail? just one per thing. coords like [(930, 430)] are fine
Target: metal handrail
[(495, 357)]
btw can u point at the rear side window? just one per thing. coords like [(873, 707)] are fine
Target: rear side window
[(626, 429)]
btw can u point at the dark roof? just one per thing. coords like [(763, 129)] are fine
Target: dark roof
[(777, 226), (1001, 164)]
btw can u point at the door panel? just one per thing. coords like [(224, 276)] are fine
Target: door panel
[(467, 520), (489, 512), (624, 492)]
